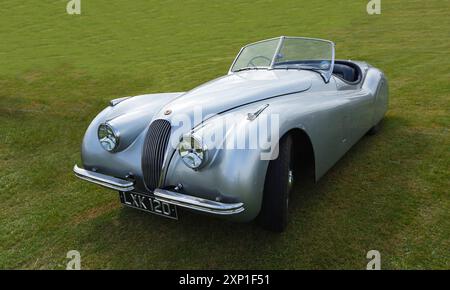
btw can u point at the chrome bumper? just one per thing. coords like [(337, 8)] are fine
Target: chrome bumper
[(103, 180), (179, 199), (198, 204)]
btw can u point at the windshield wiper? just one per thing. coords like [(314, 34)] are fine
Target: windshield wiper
[(245, 68), (304, 67), (300, 67), (314, 69), (309, 67)]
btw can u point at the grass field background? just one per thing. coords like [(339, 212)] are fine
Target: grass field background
[(57, 71)]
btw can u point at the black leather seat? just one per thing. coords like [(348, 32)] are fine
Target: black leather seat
[(344, 71)]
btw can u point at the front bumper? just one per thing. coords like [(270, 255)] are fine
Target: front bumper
[(176, 198), (103, 180), (198, 204)]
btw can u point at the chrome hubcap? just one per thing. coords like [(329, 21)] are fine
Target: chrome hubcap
[(290, 179), (290, 184)]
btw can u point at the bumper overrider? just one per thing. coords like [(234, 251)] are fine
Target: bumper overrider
[(172, 197)]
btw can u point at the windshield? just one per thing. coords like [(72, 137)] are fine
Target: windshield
[(257, 55), (287, 53)]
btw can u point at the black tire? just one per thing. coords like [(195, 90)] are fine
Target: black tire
[(274, 210), (375, 129)]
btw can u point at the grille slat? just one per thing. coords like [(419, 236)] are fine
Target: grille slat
[(155, 146)]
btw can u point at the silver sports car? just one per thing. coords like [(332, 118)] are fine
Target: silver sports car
[(235, 146)]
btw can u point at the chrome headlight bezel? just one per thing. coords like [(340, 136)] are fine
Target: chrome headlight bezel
[(108, 135), (192, 151)]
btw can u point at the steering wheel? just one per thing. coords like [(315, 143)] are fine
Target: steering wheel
[(257, 57)]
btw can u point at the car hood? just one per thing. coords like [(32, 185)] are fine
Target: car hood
[(234, 90), (131, 117)]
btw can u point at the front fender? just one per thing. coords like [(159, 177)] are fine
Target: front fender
[(233, 174), (230, 174), (131, 117), (239, 174)]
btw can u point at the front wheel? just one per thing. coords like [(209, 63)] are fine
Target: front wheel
[(278, 185)]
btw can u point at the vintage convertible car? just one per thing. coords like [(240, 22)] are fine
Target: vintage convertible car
[(316, 107)]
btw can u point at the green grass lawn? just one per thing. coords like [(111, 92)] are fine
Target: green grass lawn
[(57, 71)]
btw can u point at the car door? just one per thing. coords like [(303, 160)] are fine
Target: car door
[(360, 107)]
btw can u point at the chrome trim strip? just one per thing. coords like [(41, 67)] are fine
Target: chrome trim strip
[(230, 71), (114, 102), (103, 180), (254, 115), (199, 204), (277, 52)]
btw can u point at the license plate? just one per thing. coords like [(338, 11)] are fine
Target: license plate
[(148, 204)]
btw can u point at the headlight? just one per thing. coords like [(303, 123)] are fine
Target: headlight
[(192, 151), (108, 137)]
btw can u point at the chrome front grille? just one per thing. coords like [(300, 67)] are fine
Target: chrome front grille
[(155, 146)]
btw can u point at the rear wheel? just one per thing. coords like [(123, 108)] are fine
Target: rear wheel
[(278, 185)]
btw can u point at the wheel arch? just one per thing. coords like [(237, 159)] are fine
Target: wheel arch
[(304, 157), (273, 212)]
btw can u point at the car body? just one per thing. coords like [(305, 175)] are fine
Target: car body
[(327, 104)]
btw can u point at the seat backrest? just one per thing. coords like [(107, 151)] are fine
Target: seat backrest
[(344, 71)]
